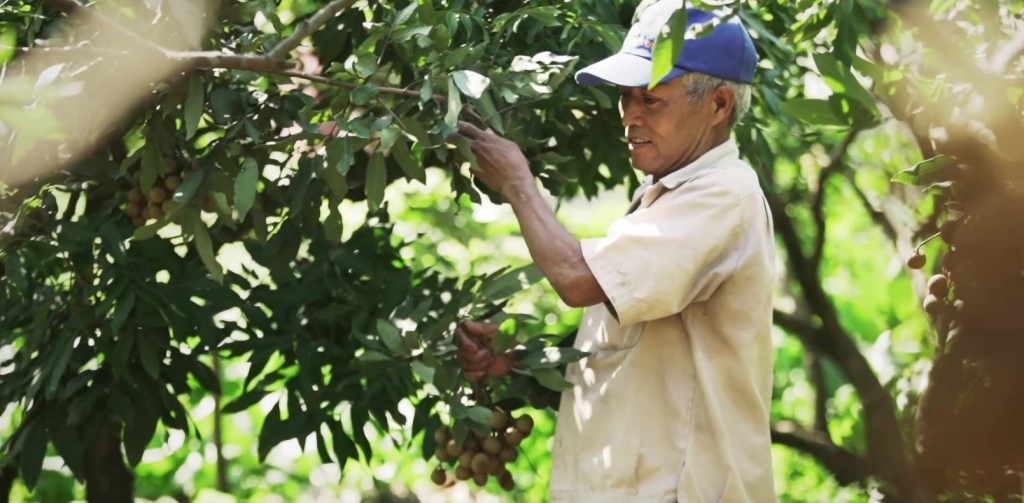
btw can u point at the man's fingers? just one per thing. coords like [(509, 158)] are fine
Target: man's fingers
[(478, 330), (475, 375), (470, 131)]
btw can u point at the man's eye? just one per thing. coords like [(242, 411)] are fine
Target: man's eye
[(650, 100)]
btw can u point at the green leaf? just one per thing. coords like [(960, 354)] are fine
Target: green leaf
[(403, 34), (344, 447), (364, 93), (551, 378), (550, 357), (245, 187), (66, 440), (193, 105), (936, 169), (205, 375), (205, 248), (454, 105), (813, 111), (63, 356), (509, 283), (245, 400), (122, 309), (366, 65), (390, 336), (423, 371), (152, 166), (149, 354), (471, 84), (82, 406), (479, 414), (188, 188), (33, 450), (669, 46), (389, 136), (321, 449), (405, 14), (373, 356), (343, 154), (466, 150), (139, 431), (376, 180), (412, 169)]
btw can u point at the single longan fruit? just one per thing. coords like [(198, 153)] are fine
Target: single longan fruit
[(508, 455), (514, 438), (480, 479), (506, 481), (134, 210), (916, 260), (466, 458), (481, 463), (492, 445), (464, 473), (138, 221), (136, 195), (454, 449), (439, 477), (932, 305), (498, 419), (938, 285), (471, 444), (441, 435), (172, 183), (157, 195), (154, 212), (496, 466), (441, 453), (524, 424)]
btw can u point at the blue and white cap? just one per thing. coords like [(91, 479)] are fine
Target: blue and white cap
[(727, 52)]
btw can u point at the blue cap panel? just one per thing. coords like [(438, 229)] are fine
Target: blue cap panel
[(727, 52)]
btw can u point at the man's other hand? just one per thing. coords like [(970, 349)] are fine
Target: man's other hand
[(502, 164), (475, 342)]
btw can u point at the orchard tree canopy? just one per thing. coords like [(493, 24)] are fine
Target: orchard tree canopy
[(178, 179)]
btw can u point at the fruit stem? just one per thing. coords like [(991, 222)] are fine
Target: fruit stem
[(929, 238)]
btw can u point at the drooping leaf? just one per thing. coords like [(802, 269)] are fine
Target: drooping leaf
[(940, 168), (551, 378), (412, 169), (451, 119), (376, 180), (471, 83), (245, 187), (390, 336), (669, 45), (193, 105), (33, 451), (205, 248), (812, 111), (364, 93)]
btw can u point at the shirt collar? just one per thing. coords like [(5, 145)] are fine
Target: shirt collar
[(727, 150)]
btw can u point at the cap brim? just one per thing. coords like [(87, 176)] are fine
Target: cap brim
[(622, 70)]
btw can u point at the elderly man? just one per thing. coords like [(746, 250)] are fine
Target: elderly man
[(672, 403)]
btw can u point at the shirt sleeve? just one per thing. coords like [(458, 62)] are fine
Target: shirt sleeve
[(656, 261)]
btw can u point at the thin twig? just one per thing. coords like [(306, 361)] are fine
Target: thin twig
[(307, 27)]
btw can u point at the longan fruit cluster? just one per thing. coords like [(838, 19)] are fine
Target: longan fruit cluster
[(143, 206), (480, 456)]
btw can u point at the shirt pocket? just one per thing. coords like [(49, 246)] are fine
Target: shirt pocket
[(610, 336)]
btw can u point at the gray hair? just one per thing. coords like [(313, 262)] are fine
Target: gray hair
[(700, 84)]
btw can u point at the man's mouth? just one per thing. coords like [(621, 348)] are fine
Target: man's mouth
[(637, 142)]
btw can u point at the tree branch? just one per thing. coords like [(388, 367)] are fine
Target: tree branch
[(884, 438), (816, 369), (836, 164), (877, 216), (847, 467), (307, 27)]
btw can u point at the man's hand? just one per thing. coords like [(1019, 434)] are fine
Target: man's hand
[(502, 164), (476, 350)]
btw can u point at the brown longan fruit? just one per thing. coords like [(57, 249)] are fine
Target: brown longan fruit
[(471, 444), (496, 466), (466, 458), (932, 305), (454, 449), (172, 183), (916, 259), (508, 455), (441, 453), (154, 212), (134, 210), (136, 196), (492, 445), (514, 438), (498, 419), (464, 473), (157, 195), (481, 463), (439, 477), (938, 286), (138, 221), (524, 424), (480, 479), (137, 179), (506, 481), (441, 435)]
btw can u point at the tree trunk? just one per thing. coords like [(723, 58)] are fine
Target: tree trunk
[(8, 474), (107, 479)]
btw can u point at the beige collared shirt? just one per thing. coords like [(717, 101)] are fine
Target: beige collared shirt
[(673, 402)]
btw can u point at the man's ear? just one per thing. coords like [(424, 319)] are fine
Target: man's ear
[(724, 101)]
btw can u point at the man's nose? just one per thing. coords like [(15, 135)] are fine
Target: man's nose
[(630, 117)]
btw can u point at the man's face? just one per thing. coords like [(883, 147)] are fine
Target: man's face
[(666, 129)]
